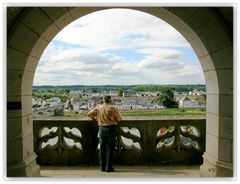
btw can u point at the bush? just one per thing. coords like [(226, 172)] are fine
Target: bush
[(58, 112), (182, 110)]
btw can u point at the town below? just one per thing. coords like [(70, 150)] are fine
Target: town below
[(140, 101)]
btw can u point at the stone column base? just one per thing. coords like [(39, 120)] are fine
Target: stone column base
[(215, 168), (27, 168)]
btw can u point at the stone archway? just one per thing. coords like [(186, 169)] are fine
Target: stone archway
[(208, 30)]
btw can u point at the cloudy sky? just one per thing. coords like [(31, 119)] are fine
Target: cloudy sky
[(118, 46)]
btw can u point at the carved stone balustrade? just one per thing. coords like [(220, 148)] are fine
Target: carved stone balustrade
[(75, 142)]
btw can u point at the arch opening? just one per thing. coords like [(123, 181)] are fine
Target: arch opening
[(122, 47)]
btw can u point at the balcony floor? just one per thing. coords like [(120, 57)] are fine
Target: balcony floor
[(121, 172)]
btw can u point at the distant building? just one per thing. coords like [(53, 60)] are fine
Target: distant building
[(196, 93), (53, 101), (113, 93), (146, 94), (129, 93), (186, 102), (136, 103), (47, 110)]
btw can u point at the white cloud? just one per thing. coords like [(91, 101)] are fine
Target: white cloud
[(116, 28), (160, 58), (80, 53)]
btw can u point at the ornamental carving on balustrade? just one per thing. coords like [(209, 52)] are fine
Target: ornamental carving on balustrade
[(179, 142), (138, 142), (59, 144), (129, 145)]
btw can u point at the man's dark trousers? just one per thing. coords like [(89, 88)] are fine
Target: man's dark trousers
[(107, 138)]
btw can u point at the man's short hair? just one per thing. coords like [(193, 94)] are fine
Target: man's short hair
[(107, 99)]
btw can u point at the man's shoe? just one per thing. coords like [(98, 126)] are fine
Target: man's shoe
[(110, 170)]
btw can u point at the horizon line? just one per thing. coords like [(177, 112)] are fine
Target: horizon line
[(118, 84)]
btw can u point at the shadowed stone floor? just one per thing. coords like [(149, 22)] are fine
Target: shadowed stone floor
[(122, 172)]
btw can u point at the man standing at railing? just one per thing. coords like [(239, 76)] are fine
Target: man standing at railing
[(107, 117)]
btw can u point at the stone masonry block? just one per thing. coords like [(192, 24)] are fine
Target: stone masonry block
[(226, 105), (15, 98), (215, 38), (213, 104), (225, 81), (31, 64), (187, 32), (36, 20), (173, 20), (12, 13), (206, 63), (203, 19), (220, 126), (14, 128), (226, 127), (14, 81), (14, 151), (212, 124), (225, 150), (158, 11), (28, 147), (15, 59), (211, 82), (27, 104), (23, 39), (80, 11), (14, 113), (223, 58), (39, 47), (64, 20), (54, 13), (27, 83), (198, 47), (212, 145), (184, 13), (50, 32), (27, 125)]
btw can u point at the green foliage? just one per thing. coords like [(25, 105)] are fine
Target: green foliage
[(58, 112), (181, 110), (36, 106), (167, 98), (120, 92), (147, 87), (178, 88), (47, 95), (204, 97)]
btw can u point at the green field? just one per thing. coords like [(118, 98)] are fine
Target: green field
[(155, 112), (164, 112)]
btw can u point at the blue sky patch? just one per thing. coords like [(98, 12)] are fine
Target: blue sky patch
[(67, 45), (129, 54), (132, 37), (189, 54)]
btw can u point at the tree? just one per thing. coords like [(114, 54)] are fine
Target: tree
[(204, 97), (120, 92), (167, 98)]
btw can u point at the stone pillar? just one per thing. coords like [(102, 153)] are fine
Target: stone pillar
[(21, 159), (211, 40), (218, 158)]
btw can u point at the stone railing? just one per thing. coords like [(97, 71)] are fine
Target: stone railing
[(75, 142)]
